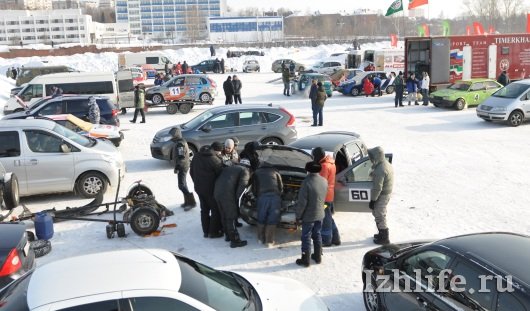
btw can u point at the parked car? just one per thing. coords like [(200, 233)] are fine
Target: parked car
[(251, 65), (327, 67), (9, 189), (467, 272), (76, 105), (354, 86), (205, 66), (57, 159), (189, 87), (464, 93), (344, 147), (161, 281), (239, 53), (16, 256), (344, 74), (28, 73), (97, 131), (277, 65), (268, 124), (509, 104), (352, 188), (305, 82)]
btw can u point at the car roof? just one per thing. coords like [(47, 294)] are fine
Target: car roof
[(74, 96), (27, 123), (329, 141), (525, 81), (191, 75), (105, 272), (243, 108), (508, 252), (476, 80)]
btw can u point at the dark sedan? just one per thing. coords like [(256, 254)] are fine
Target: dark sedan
[(16, 256), (484, 271)]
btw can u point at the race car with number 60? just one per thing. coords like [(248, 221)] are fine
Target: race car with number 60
[(196, 88)]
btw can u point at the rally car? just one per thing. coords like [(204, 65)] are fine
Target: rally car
[(465, 93), (75, 124)]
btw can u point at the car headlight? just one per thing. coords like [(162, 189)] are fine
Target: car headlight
[(163, 139), (499, 109)]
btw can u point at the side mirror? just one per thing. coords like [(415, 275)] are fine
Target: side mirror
[(206, 128), (65, 148)]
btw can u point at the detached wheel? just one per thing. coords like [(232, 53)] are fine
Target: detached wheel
[(172, 108), (139, 190), (205, 97), (11, 191), (271, 141), (185, 108), (354, 92), (109, 230), (41, 247), (90, 184), (389, 89), (157, 99), (515, 118), (460, 104), (371, 298), (120, 230), (144, 221)]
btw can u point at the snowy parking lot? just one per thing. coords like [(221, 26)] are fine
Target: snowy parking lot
[(454, 174)]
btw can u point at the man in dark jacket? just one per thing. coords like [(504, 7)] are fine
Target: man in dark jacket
[(205, 168), (321, 99), (181, 156), (228, 188), (398, 88), (237, 89), (286, 76), (217, 66), (185, 68), (222, 65), (503, 78), (249, 152), (212, 50), (313, 96), (228, 87), (267, 185), (383, 181), (310, 212)]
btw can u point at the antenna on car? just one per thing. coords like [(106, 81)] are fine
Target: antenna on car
[(147, 251)]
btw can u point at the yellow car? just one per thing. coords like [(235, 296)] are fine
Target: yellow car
[(105, 131)]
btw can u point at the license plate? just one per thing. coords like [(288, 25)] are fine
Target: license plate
[(482, 113), (26, 249)]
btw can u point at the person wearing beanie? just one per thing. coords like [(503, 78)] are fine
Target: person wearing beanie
[(250, 153), (329, 232), (229, 154), (181, 156), (310, 212)]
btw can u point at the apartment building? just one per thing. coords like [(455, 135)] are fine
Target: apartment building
[(245, 29)]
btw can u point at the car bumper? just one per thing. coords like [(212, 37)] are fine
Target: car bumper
[(493, 116), (161, 151), (441, 102)]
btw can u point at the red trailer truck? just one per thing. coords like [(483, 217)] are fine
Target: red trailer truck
[(452, 58)]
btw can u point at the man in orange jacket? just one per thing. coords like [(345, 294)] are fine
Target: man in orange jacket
[(329, 232)]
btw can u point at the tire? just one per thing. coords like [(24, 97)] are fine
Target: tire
[(31, 236), (120, 229), (271, 141), (144, 220), (193, 150), (371, 299), (460, 104), (390, 89), (157, 99), (138, 190), (436, 105), (487, 120), (516, 118), (354, 92), (90, 184), (109, 230), (11, 192), (172, 108), (123, 110), (41, 247), (185, 108), (205, 97)]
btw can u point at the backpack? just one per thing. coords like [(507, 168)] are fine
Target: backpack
[(180, 150)]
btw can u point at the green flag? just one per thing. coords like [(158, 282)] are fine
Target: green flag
[(446, 28), (421, 31), (395, 7)]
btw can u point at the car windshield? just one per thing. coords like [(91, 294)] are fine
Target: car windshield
[(459, 86), (217, 289), (198, 120), (63, 131), (512, 90)]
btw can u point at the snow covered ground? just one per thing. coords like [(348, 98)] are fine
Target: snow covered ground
[(454, 174)]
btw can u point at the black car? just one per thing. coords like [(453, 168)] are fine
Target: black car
[(70, 104), (16, 255), (205, 66), (483, 271)]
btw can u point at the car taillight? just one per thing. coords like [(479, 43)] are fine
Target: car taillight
[(292, 119), (115, 112), (212, 82), (12, 263)]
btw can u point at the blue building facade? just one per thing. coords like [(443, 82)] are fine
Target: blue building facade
[(246, 29)]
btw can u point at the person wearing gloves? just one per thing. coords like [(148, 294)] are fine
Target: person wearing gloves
[(94, 114), (383, 180), (181, 156), (310, 212)]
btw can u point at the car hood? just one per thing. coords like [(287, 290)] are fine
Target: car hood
[(153, 89), (494, 101), (389, 250), (447, 92), (17, 115), (165, 131), (284, 157), (278, 293)]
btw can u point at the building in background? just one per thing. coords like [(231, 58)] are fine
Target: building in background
[(107, 3), (38, 4), (245, 29), (169, 20), (111, 33), (66, 4)]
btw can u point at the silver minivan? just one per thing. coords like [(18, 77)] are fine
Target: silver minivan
[(509, 104), (49, 158)]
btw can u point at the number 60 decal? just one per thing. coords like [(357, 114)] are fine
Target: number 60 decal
[(359, 195)]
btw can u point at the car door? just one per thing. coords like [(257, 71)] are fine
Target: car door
[(477, 94), (125, 89), (11, 156), (48, 168), (193, 87), (77, 107), (353, 187), (176, 89), (218, 128), (252, 126)]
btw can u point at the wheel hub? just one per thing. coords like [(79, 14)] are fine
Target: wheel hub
[(92, 185), (144, 221)]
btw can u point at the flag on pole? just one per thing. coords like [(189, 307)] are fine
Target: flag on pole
[(446, 28), (395, 7), (393, 40), (416, 3), (421, 31), (479, 29), (426, 30)]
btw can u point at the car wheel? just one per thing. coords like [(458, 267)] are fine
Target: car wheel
[(390, 89), (157, 99), (11, 194), (144, 220), (354, 92), (90, 184), (123, 110), (185, 108), (271, 141), (205, 98), (172, 108), (515, 118), (258, 69), (460, 104), (41, 247), (120, 230), (371, 298)]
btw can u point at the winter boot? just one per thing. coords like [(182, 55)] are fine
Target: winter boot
[(416, 103), (191, 202), (235, 240), (317, 255), (382, 239), (270, 233), (186, 201), (261, 234), (304, 260), (238, 224), (336, 238)]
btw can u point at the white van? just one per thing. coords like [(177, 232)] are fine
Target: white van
[(155, 59), (81, 83)]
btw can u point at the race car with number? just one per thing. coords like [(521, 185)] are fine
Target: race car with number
[(464, 93), (197, 88)]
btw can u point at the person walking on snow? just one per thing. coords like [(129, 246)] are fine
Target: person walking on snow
[(286, 77), (412, 88), (139, 102), (181, 156), (383, 180), (368, 87), (398, 88), (228, 88), (321, 99), (313, 91)]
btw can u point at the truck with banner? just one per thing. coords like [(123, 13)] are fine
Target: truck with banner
[(452, 58)]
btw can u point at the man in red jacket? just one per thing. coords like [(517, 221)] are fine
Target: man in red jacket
[(329, 232)]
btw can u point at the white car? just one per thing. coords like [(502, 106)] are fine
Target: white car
[(327, 67), (509, 104), (151, 280)]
